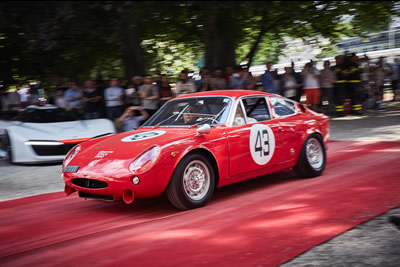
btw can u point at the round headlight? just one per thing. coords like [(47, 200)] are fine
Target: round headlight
[(71, 154), (145, 161)]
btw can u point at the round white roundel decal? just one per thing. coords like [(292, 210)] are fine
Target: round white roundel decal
[(262, 143), (142, 136)]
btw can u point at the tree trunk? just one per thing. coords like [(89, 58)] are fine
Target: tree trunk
[(219, 44), (132, 53), (253, 50)]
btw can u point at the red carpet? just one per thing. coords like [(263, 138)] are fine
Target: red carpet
[(265, 221)]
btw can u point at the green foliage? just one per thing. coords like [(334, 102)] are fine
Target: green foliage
[(53, 41), (269, 50), (169, 57)]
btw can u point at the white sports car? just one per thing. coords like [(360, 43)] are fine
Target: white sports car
[(44, 134)]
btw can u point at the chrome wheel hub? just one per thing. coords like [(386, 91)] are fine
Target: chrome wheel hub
[(196, 180), (314, 152)]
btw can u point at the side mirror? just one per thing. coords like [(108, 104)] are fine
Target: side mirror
[(205, 129)]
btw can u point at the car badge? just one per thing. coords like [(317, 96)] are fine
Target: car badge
[(102, 154), (92, 163), (71, 169)]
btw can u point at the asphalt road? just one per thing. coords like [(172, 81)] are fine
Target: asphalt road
[(369, 244)]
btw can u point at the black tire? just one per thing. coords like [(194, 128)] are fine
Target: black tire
[(176, 192), (7, 146), (304, 167)]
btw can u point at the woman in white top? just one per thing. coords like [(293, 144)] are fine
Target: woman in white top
[(60, 100), (288, 84), (311, 85)]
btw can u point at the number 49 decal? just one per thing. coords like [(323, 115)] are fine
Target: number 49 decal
[(262, 143)]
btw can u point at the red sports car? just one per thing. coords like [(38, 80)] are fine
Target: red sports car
[(198, 142)]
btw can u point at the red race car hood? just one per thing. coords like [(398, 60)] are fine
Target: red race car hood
[(129, 145), (111, 156)]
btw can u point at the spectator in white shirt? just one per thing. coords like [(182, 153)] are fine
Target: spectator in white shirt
[(10, 101), (60, 100), (114, 97), (184, 85), (24, 93), (311, 85), (288, 84)]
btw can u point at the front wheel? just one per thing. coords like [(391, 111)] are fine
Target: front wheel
[(192, 183), (312, 159), (7, 146)]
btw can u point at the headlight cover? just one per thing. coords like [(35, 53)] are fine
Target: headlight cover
[(71, 154), (145, 161)]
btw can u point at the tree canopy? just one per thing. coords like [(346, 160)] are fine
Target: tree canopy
[(51, 41)]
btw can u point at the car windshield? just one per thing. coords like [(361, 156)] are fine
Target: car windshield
[(45, 115), (191, 111)]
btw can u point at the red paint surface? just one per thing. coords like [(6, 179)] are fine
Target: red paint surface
[(265, 221), (108, 159), (75, 141)]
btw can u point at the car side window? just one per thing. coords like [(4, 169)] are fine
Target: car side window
[(283, 107), (256, 109), (239, 116)]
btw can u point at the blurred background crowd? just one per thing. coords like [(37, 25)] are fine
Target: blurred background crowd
[(347, 85)]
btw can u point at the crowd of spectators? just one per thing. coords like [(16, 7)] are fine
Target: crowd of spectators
[(130, 105)]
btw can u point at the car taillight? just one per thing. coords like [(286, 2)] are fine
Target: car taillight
[(145, 161)]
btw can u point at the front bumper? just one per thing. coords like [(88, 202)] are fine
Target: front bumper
[(116, 188)]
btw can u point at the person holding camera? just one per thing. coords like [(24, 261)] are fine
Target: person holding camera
[(131, 118)]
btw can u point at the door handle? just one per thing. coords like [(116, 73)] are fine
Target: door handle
[(280, 128)]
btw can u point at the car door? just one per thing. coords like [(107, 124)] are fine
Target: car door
[(254, 139), (286, 113)]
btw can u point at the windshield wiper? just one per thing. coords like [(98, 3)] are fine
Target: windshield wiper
[(179, 114), (213, 118), (158, 124)]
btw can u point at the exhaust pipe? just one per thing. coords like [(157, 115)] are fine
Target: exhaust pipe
[(128, 197)]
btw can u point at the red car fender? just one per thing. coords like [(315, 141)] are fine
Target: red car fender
[(221, 172), (310, 131)]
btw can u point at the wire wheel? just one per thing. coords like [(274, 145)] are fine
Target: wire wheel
[(196, 180), (315, 154)]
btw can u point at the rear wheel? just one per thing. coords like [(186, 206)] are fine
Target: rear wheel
[(192, 183), (312, 159)]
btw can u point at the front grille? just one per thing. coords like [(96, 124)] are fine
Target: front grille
[(46, 150), (89, 183)]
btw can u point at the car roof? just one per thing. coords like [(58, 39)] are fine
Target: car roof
[(228, 93)]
